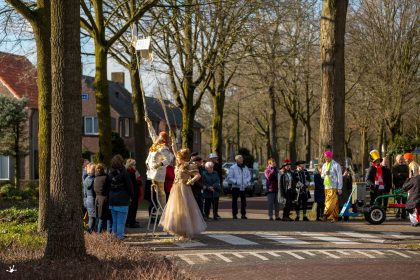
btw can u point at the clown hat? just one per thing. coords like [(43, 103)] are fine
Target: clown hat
[(374, 155)]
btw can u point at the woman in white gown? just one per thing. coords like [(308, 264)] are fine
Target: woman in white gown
[(181, 215)]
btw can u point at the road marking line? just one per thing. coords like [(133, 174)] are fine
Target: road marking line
[(203, 257), (231, 239), (294, 255), (327, 238), (282, 239), (273, 254), (223, 258), (397, 235), (189, 244), (308, 253), (187, 260), (364, 254), (400, 254), (414, 252), (258, 256), (377, 252), (345, 253), (329, 254), (368, 237), (238, 255)]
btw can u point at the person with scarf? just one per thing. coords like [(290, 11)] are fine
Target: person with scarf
[(158, 159), (271, 174), (333, 184), (378, 178)]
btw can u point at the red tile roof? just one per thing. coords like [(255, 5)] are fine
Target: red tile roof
[(19, 75)]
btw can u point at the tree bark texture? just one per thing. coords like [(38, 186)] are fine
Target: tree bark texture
[(139, 123), (332, 120), (273, 125), (42, 32), (65, 230), (217, 125), (292, 139), (102, 103), (363, 150)]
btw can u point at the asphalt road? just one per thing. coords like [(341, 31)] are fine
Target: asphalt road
[(260, 249)]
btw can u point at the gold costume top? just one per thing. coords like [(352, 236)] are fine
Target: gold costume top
[(184, 171)]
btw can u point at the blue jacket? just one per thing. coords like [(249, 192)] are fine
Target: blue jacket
[(211, 180)]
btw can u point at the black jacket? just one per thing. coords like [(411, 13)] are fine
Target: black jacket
[(387, 177), (121, 191), (399, 175), (413, 188)]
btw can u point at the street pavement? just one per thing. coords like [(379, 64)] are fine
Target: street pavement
[(260, 249)]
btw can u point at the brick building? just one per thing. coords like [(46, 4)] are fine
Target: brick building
[(18, 79)]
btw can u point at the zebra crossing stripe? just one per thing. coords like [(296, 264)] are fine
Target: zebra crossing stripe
[(327, 238), (232, 239), (329, 254), (223, 257), (364, 254), (274, 254), (238, 255), (397, 235), (190, 244), (308, 253), (364, 236), (186, 259), (294, 255), (399, 253), (203, 257), (282, 239), (258, 256)]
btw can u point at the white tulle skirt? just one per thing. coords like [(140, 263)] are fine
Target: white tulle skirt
[(181, 215)]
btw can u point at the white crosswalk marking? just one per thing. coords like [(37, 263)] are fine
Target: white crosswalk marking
[(223, 258), (399, 253), (397, 235), (190, 244), (186, 259), (259, 256), (365, 254), (232, 239), (329, 254), (327, 238), (368, 237), (282, 239), (295, 255), (238, 255), (203, 257), (274, 254)]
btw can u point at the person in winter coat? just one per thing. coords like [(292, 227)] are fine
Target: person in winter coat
[(272, 178), (400, 174), (211, 185), (240, 178), (101, 186), (302, 179), (379, 178), (89, 195), (319, 193), (287, 190), (120, 195), (130, 165), (412, 186)]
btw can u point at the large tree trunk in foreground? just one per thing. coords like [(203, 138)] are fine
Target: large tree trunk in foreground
[(332, 120), (65, 230)]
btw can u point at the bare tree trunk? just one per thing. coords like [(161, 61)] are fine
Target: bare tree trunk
[(42, 32), (273, 126), (217, 125), (380, 137), (363, 150), (102, 104), (332, 120), (308, 144), (292, 139), (65, 231), (138, 111)]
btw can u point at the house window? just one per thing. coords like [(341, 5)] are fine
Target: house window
[(91, 125), (113, 124), (126, 127), (4, 167)]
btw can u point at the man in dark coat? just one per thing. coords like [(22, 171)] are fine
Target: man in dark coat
[(302, 180), (287, 190), (379, 179), (400, 173)]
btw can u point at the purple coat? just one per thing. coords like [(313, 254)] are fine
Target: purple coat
[(271, 174)]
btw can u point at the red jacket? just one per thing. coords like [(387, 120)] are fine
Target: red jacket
[(169, 178)]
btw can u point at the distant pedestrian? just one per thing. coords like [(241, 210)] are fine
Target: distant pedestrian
[(319, 193), (302, 179), (211, 185), (130, 165), (333, 183), (400, 174), (346, 190), (272, 178), (412, 186), (89, 195), (101, 186), (379, 179), (240, 178), (412, 165), (120, 195), (287, 190)]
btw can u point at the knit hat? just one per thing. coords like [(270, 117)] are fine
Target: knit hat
[(409, 156), (328, 154)]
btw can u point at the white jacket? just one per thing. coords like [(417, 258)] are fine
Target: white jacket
[(239, 177), (162, 155), (335, 175)]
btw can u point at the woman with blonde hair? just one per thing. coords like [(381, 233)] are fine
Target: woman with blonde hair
[(181, 215), (89, 196)]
